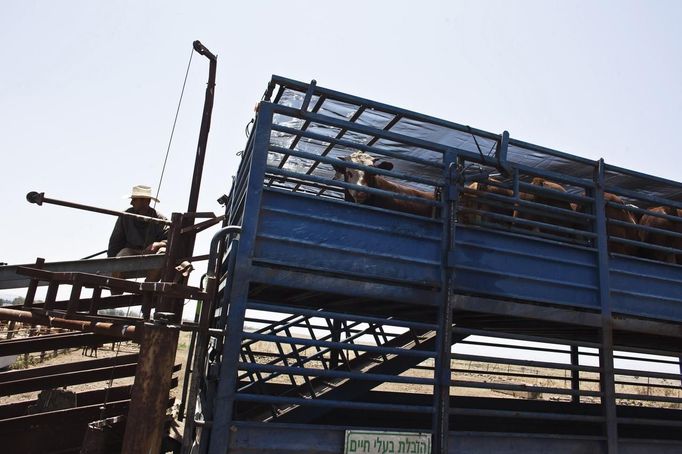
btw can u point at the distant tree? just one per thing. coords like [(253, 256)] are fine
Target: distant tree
[(18, 300)]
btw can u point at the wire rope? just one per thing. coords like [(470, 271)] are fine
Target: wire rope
[(177, 112)]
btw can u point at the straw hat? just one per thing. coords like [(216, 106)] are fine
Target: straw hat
[(142, 192)]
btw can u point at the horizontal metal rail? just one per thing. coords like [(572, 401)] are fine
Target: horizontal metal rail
[(10, 279), (473, 412), (520, 362), (359, 375), (523, 388), (350, 164), (339, 345), (524, 337), (350, 224), (341, 184), (336, 404), (353, 145), (42, 343), (341, 316)]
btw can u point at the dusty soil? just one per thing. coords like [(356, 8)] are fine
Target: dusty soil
[(476, 374), (107, 351)]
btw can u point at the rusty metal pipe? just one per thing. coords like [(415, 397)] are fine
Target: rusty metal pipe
[(39, 198), (203, 139), (104, 328)]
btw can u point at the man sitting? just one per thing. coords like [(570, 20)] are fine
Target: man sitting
[(133, 236)]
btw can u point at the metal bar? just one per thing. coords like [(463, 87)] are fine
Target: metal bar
[(205, 127), (341, 315), (607, 376), (676, 400), (522, 362), (94, 301), (651, 422), (353, 165), (338, 345), (149, 399), (203, 225), (368, 130), (342, 184), (74, 299), (575, 374), (33, 286), (523, 387), (223, 399), (100, 363), (198, 345), (66, 379), (326, 403), (522, 337), (10, 279), (474, 412), (332, 94), (107, 329), (440, 422), (39, 199), (17, 346), (336, 141)]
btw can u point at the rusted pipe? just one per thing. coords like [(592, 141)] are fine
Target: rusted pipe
[(104, 328), (39, 198)]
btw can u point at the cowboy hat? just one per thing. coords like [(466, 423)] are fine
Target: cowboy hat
[(143, 192)]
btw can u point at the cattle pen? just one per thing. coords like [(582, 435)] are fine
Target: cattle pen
[(528, 307)]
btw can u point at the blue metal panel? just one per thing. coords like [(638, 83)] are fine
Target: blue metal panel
[(646, 289), (514, 266), (340, 238)]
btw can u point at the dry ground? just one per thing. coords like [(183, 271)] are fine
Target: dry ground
[(466, 371)]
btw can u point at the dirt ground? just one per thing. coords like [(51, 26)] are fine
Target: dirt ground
[(478, 373), (107, 351)]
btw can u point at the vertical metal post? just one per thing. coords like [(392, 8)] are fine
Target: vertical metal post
[(443, 369), (201, 145), (226, 389), (575, 374), (336, 337), (176, 246), (608, 387), (149, 399), (33, 286), (205, 127)]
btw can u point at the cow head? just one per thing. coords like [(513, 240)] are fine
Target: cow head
[(357, 176)]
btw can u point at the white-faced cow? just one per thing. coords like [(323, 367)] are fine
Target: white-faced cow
[(370, 179)]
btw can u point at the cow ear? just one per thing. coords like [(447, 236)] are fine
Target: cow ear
[(339, 168), (384, 165)]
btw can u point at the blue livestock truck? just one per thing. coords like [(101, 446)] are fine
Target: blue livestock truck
[(402, 283)]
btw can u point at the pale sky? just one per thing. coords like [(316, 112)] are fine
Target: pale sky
[(88, 90)]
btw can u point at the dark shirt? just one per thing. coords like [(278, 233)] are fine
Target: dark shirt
[(136, 233)]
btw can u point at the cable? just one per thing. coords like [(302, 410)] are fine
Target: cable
[(182, 92)]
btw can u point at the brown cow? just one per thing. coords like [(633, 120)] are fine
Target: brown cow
[(536, 214), (660, 238), (470, 202), (619, 231), (373, 180)]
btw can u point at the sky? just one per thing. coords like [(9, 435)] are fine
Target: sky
[(89, 90)]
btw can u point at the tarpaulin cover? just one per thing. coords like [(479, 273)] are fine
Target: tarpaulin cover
[(427, 134)]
